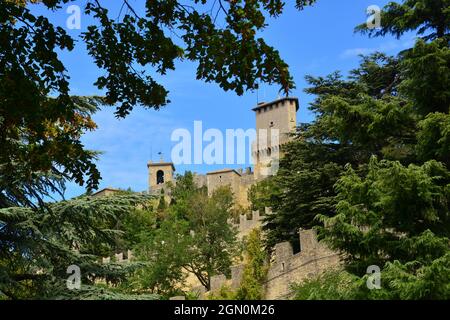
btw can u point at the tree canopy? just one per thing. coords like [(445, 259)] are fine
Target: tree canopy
[(38, 246), (41, 122), (371, 173)]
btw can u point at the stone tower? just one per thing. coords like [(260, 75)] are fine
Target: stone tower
[(158, 174), (274, 122)]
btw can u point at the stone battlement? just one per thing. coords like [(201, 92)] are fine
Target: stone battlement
[(286, 267), (247, 223), (119, 257)]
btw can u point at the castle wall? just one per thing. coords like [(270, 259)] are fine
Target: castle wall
[(285, 268), (223, 178), (239, 183), (247, 224), (288, 268), (200, 180)]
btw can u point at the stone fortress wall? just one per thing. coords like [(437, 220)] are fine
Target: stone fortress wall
[(286, 268)]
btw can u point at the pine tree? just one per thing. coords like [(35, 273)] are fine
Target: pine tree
[(38, 246), (371, 172)]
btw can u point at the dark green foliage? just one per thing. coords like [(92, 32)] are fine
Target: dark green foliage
[(392, 212), (355, 118), (37, 247), (40, 136), (398, 282), (163, 254), (40, 123), (433, 138), (184, 188), (254, 275), (426, 76), (231, 56), (331, 285), (259, 195), (429, 18)]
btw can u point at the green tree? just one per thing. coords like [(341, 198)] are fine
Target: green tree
[(256, 268), (213, 240), (391, 212), (395, 211), (395, 217), (135, 224), (194, 236), (41, 122), (430, 18), (384, 108), (355, 118), (37, 247)]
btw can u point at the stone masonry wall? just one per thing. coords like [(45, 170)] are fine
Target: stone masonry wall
[(285, 268), (313, 259), (288, 268)]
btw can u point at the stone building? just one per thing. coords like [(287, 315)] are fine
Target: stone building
[(274, 123), (106, 192)]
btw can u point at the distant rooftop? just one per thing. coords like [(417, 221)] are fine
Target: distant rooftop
[(105, 190), (160, 164), (266, 104), (223, 171)]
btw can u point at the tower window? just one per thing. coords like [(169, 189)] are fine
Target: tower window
[(271, 123), (159, 177)]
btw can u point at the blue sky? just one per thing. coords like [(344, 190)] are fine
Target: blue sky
[(316, 41)]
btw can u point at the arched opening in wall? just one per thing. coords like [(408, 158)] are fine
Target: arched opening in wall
[(269, 152), (159, 177)]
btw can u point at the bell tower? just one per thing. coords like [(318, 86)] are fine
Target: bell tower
[(159, 173), (275, 121)]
